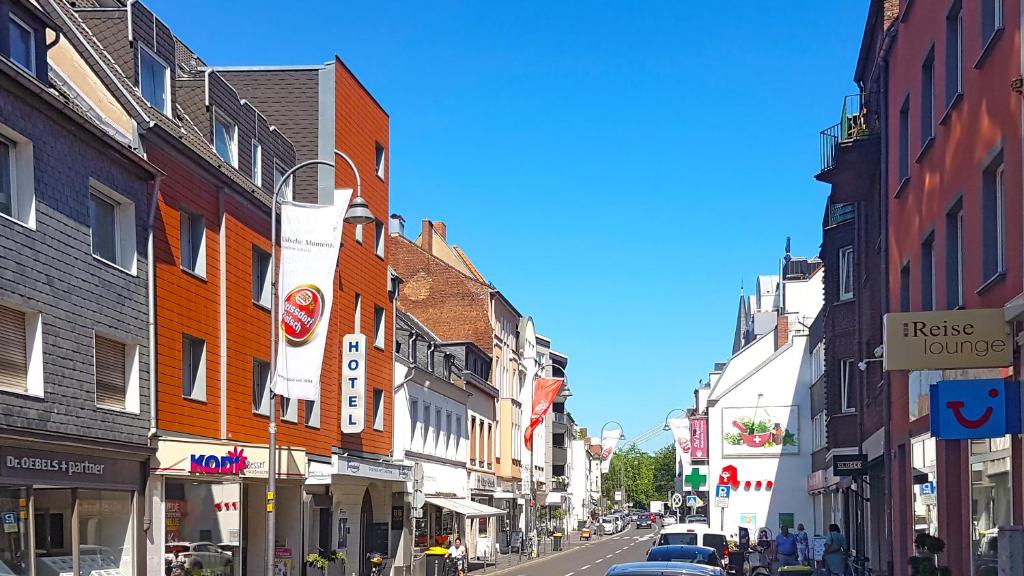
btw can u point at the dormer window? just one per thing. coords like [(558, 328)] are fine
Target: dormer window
[(155, 81), (23, 44), (225, 139)]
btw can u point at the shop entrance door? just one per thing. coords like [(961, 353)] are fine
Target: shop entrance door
[(365, 532)]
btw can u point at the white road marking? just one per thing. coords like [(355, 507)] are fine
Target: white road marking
[(587, 567), (570, 574), (599, 560)]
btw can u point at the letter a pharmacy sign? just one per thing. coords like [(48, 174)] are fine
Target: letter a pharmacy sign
[(353, 383)]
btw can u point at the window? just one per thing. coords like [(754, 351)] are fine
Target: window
[(257, 164), (111, 375), (928, 273), (819, 431), (487, 445), (378, 238), (193, 243), (437, 428), (154, 81), (261, 277), (414, 420), (378, 160), (955, 256), (17, 181), (23, 44), (225, 139), (289, 409), (847, 380), (378, 327), (954, 53), (426, 425), (905, 288), (993, 220), (928, 98), (261, 387), (359, 314), (992, 491), (846, 273), (991, 20), (458, 433), (448, 431), (21, 351), (311, 413), (279, 172), (113, 227), (378, 409), (905, 140), (193, 368), (359, 233)]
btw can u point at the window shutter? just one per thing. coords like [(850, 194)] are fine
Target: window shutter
[(13, 350), (110, 373)]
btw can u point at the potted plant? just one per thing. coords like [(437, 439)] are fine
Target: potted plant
[(924, 562), (322, 561)]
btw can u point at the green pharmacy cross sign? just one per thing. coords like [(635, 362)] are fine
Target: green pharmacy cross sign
[(695, 479)]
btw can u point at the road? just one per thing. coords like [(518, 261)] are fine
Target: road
[(591, 559)]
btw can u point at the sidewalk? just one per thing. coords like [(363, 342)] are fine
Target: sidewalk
[(545, 550)]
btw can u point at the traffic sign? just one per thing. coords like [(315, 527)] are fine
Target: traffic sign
[(723, 491), (722, 502), (693, 501), (677, 500)]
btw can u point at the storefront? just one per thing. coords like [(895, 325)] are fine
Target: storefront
[(511, 522), (210, 504), (480, 531), (70, 513)]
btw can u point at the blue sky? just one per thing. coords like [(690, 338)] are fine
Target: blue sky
[(615, 168)]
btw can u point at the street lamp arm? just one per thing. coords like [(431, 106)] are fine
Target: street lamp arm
[(666, 427), (359, 184), (296, 168)]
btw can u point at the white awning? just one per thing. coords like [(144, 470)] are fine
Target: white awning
[(554, 499), (466, 507)]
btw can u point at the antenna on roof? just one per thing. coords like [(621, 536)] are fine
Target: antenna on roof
[(789, 255)]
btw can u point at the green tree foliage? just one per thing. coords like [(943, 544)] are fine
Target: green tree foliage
[(636, 468), (664, 472)]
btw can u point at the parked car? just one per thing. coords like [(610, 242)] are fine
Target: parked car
[(606, 525), (662, 569), (693, 554), (643, 521), (696, 519), (668, 520), (198, 556), (694, 535)]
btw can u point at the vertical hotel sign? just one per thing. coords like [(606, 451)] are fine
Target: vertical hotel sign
[(353, 383), (310, 239)]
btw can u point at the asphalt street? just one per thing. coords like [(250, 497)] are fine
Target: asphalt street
[(590, 559)]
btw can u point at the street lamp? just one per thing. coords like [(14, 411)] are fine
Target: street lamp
[(666, 427), (358, 212), (622, 436), (532, 514)]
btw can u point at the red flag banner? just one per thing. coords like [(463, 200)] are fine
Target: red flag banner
[(544, 392)]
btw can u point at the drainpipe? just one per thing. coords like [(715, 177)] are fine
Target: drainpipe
[(151, 301)]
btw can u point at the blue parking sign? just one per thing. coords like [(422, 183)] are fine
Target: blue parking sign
[(723, 491)]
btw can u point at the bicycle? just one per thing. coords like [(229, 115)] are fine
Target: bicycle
[(859, 566), (377, 563)]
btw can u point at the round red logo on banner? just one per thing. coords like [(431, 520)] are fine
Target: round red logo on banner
[(301, 312)]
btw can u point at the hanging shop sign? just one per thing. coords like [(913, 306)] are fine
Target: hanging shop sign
[(697, 478), (730, 476), (699, 438), (349, 466), (223, 459), (353, 383), (42, 467), (947, 339), (310, 239), (965, 409), (849, 464)]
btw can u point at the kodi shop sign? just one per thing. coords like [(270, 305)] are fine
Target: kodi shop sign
[(947, 339)]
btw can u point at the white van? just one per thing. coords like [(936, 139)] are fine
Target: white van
[(693, 535)]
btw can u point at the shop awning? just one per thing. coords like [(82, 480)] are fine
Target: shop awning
[(554, 499), (466, 507)]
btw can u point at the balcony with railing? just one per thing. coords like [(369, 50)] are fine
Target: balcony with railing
[(859, 121)]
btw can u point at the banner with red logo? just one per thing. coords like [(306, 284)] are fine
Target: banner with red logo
[(544, 392), (699, 438), (681, 433), (310, 239), (609, 439)]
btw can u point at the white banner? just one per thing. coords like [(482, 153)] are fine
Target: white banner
[(681, 434), (310, 239), (609, 439)]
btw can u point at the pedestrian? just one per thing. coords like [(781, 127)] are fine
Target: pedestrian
[(835, 552), (803, 545), (785, 545), (458, 553)]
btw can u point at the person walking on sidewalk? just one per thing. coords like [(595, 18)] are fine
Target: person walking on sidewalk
[(835, 552), (785, 544), (803, 545), (458, 553)]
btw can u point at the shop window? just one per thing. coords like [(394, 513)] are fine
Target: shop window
[(51, 526), (991, 500), (15, 539), (105, 532), (924, 488)]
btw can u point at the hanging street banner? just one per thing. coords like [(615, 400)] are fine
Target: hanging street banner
[(946, 339), (544, 392), (353, 383), (609, 439), (967, 409), (681, 434), (699, 438), (310, 239)]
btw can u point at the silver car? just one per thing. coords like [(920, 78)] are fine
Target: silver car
[(197, 556)]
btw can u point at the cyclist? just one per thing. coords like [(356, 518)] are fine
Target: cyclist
[(458, 553)]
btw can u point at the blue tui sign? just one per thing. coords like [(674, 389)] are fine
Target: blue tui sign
[(964, 409)]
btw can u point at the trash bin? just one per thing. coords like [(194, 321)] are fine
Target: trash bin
[(557, 546), (435, 560)]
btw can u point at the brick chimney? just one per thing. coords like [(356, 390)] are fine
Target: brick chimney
[(782, 331), (427, 236), (441, 230)]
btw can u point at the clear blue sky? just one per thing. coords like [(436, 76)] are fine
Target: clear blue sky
[(614, 168)]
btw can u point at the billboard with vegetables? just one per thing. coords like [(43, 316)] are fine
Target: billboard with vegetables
[(760, 431)]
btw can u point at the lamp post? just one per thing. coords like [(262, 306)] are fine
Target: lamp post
[(622, 436), (532, 513), (668, 428), (358, 212)]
